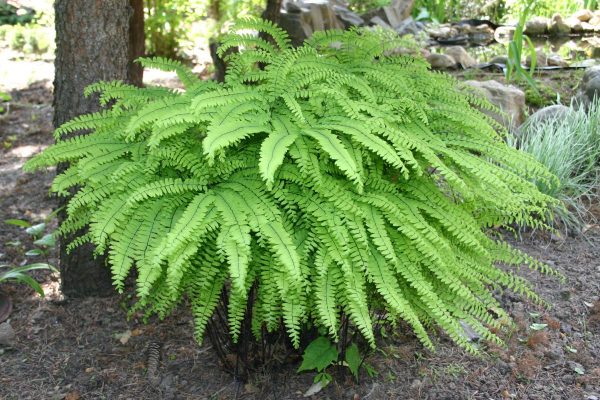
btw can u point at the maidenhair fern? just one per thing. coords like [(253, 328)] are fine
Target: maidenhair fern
[(328, 180)]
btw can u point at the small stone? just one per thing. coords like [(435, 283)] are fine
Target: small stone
[(583, 15), (574, 24), (540, 59), (537, 26), (556, 61), (558, 27), (7, 334), (499, 60), (587, 27), (441, 61), (460, 55), (503, 34), (594, 21)]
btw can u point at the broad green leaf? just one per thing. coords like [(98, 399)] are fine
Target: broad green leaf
[(36, 229), (353, 359), (47, 240), (18, 222), (319, 354)]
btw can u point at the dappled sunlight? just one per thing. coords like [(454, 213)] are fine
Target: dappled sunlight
[(26, 151)]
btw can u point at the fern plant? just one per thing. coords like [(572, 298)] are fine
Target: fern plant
[(326, 180)]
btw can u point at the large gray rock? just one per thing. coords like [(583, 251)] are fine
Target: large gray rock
[(537, 26), (509, 99), (558, 27), (557, 111), (461, 56), (441, 61), (589, 87), (394, 14)]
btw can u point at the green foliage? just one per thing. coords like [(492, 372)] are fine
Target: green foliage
[(362, 6), (515, 51), (569, 146), (4, 97), (42, 244), (540, 96), (321, 354), (172, 25), (446, 11), (29, 39), (11, 15), (333, 179)]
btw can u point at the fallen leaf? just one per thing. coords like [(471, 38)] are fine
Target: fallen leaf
[(73, 396), (314, 389), (137, 332), (123, 337)]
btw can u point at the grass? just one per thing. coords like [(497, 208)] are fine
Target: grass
[(570, 148)]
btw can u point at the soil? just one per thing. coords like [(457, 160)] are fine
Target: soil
[(88, 349)]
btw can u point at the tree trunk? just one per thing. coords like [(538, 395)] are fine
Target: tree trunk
[(272, 11), (95, 40)]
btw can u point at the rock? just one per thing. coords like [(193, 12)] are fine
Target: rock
[(555, 60), (7, 334), (348, 17), (442, 32), (441, 61), (461, 56), (557, 111), (541, 59), (394, 14), (594, 21), (574, 24), (377, 20), (589, 87), (588, 28), (583, 15), (585, 64), (537, 26), (409, 26), (499, 60), (509, 99), (558, 27), (503, 34)]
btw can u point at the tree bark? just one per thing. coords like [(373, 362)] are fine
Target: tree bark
[(95, 40), (272, 11)]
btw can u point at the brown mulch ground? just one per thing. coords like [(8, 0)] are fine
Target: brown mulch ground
[(71, 349)]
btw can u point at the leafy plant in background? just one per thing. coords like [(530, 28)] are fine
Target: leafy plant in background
[(4, 97), (315, 186), (515, 50), (42, 241), (171, 23), (569, 146), (11, 15)]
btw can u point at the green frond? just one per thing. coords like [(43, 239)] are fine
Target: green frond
[(332, 182), (185, 75)]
